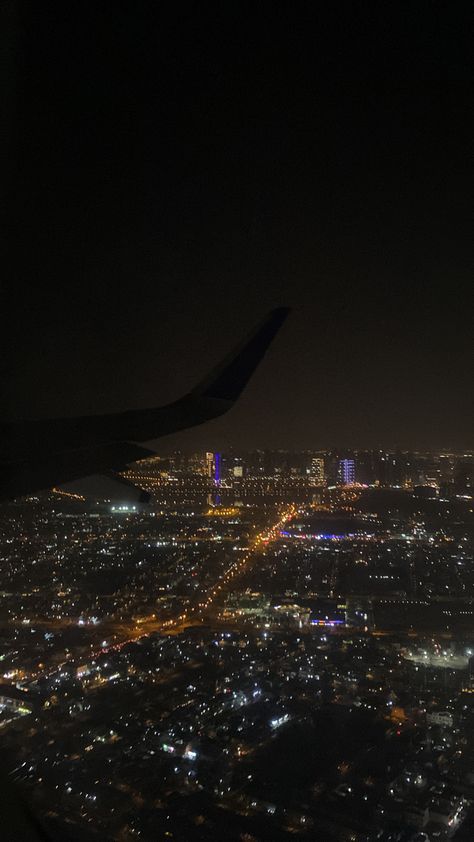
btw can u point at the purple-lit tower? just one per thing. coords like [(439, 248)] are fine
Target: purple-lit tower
[(217, 468), (346, 471)]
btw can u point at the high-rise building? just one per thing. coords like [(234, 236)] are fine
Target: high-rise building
[(317, 471), (217, 468), (346, 471), (209, 464)]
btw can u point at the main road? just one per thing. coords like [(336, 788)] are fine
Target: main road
[(144, 627)]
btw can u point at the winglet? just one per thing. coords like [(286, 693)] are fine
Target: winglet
[(72, 448), (230, 377)]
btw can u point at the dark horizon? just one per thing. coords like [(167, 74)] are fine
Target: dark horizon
[(179, 173)]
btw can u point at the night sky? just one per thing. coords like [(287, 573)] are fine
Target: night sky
[(180, 168)]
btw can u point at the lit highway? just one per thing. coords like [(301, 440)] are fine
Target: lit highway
[(235, 569), (195, 613), (146, 626)]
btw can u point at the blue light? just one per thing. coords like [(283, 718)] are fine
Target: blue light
[(327, 622), (217, 468)]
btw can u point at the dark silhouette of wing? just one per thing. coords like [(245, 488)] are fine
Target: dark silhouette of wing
[(42, 454)]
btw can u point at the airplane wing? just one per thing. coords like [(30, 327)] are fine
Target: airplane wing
[(42, 454)]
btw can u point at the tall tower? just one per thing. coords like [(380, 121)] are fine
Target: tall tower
[(346, 471), (209, 463), (217, 468), (317, 471)]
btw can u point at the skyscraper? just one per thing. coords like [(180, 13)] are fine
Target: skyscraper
[(217, 468), (317, 471), (346, 471)]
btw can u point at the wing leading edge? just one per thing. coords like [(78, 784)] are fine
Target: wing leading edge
[(42, 454)]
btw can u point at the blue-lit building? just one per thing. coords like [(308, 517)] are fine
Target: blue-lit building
[(346, 471), (217, 468)]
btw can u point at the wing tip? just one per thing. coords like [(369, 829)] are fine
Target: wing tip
[(231, 376)]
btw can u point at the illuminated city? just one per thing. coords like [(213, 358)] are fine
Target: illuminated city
[(236, 451), (254, 649)]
